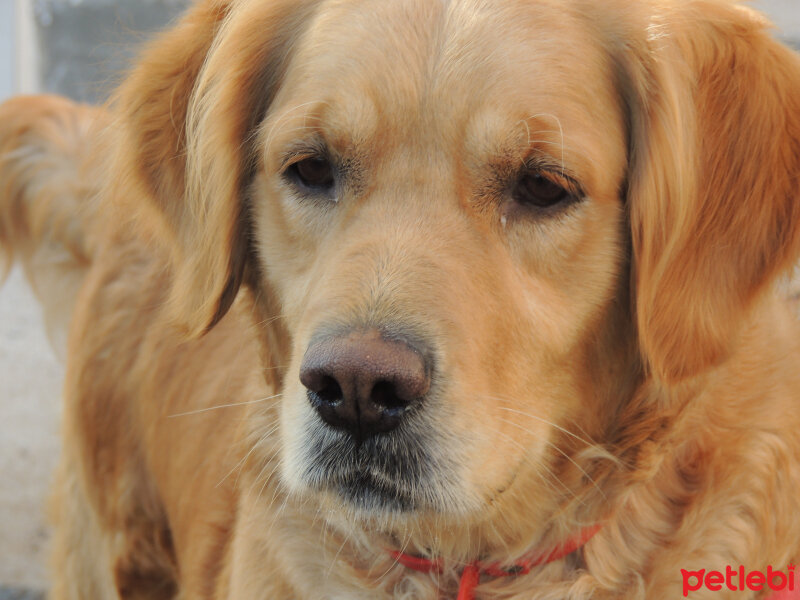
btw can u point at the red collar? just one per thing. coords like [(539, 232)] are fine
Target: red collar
[(470, 576)]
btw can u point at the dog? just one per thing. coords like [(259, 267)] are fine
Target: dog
[(423, 299)]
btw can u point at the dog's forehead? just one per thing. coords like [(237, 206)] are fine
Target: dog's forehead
[(470, 71)]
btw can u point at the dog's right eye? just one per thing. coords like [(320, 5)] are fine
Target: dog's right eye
[(315, 174)]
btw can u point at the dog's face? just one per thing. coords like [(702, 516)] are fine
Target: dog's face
[(474, 228), (446, 180)]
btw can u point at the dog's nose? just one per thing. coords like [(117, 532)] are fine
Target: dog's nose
[(362, 383)]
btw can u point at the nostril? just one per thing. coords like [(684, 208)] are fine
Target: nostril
[(329, 390), (322, 384), (384, 394)]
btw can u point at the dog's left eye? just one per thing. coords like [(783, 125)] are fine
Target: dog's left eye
[(314, 173), (537, 191)]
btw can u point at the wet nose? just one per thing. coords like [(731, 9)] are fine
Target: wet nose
[(362, 383)]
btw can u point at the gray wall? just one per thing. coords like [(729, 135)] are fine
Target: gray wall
[(786, 16), (84, 45), (7, 43)]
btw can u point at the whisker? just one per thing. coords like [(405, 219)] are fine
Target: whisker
[(202, 410), (564, 454), (267, 321), (267, 479), (396, 560), (547, 422), (560, 130), (553, 477), (269, 137), (552, 144), (264, 436), (338, 553)]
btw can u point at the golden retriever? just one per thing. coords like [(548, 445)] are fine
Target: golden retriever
[(424, 299)]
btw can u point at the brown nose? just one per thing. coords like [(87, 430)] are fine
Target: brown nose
[(362, 383)]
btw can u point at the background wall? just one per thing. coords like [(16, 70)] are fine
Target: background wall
[(7, 43), (78, 47), (83, 45), (786, 15)]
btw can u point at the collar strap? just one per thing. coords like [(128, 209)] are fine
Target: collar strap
[(470, 576)]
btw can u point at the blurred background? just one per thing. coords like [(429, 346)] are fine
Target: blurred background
[(79, 48)]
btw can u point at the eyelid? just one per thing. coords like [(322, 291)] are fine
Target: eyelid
[(559, 175), (295, 154)]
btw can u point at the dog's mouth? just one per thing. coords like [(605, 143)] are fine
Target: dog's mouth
[(398, 472), (367, 493)]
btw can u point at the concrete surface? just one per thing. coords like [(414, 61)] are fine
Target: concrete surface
[(30, 390), (82, 46), (9, 593)]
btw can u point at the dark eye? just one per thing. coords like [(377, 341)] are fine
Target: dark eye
[(537, 191), (314, 173)]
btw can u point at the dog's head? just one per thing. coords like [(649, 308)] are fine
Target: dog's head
[(479, 226)]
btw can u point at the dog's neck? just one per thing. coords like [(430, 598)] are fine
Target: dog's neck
[(472, 572)]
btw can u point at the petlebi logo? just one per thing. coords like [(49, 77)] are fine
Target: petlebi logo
[(739, 580)]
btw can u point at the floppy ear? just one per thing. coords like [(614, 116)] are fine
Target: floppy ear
[(189, 110), (713, 186)]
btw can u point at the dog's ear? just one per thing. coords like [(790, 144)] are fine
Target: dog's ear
[(189, 110), (714, 187)]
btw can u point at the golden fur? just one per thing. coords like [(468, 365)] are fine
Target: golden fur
[(627, 361)]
